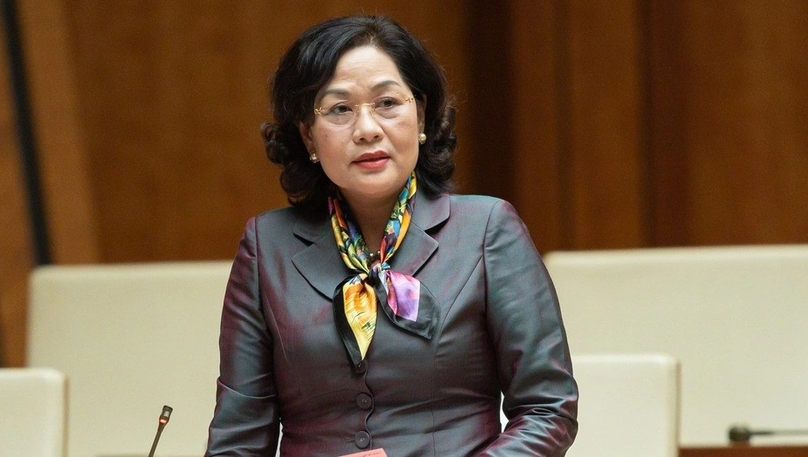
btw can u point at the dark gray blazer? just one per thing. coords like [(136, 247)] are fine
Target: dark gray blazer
[(499, 329)]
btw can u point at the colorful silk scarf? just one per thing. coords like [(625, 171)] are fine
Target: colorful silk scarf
[(356, 299)]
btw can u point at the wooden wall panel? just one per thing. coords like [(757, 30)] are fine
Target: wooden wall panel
[(16, 252), (730, 123), (172, 101), (67, 197), (488, 100), (670, 211), (608, 173), (537, 96), (629, 124), (563, 133), (173, 95)]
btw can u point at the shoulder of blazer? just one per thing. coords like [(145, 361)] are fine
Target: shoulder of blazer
[(291, 219), (432, 212), (482, 203)]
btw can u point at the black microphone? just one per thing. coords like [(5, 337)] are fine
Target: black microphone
[(741, 434), (165, 415)]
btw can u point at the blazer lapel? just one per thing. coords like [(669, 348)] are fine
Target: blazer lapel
[(419, 245), (322, 266), (320, 263)]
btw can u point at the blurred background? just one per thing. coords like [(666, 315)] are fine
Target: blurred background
[(129, 130)]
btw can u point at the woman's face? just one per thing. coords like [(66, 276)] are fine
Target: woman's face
[(365, 129)]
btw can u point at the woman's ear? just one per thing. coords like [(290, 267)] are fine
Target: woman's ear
[(420, 106), (305, 134)]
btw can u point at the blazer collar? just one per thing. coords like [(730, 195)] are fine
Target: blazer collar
[(322, 266)]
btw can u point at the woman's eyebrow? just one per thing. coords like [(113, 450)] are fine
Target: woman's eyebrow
[(345, 93), (385, 83)]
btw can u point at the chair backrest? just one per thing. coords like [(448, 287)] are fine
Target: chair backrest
[(32, 412), (131, 338), (628, 405), (734, 317)]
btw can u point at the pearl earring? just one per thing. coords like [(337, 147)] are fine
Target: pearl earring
[(313, 156), (422, 138)]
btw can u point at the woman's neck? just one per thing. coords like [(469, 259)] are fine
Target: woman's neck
[(372, 217)]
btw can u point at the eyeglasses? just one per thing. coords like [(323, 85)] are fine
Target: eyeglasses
[(340, 114)]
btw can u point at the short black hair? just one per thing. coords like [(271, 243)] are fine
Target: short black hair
[(310, 63)]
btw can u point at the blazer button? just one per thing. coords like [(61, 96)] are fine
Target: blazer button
[(364, 401), (362, 439), (362, 366)]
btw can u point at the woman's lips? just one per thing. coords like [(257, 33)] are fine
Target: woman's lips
[(372, 160)]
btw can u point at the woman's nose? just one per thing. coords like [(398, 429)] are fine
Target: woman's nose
[(366, 127)]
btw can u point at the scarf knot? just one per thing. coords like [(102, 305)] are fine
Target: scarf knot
[(376, 273)]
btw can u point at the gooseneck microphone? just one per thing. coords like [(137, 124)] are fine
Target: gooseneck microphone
[(165, 415), (741, 434)]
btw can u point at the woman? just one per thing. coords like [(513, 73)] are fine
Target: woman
[(380, 312)]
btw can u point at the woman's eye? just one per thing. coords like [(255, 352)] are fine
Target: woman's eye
[(387, 103), (340, 109)]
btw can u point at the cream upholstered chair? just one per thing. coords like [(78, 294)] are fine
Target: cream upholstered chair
[(735, 318), (131, 338), (628, 405), (32, 412)]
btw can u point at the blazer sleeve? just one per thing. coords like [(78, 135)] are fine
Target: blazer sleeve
[(524, 320), (245, 421)]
